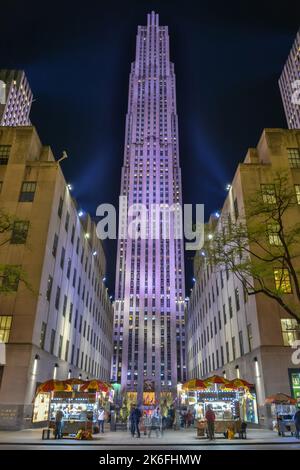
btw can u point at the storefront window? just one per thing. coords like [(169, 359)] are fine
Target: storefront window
[(41, 408), (290, 331), (249, 407), (5, 327), (295, 383)]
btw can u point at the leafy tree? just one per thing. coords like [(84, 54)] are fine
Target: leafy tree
[(10, 275), (262, 247)]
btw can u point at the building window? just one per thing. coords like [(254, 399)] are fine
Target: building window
[(241, 341), (52, 341), (67, 350), (49, 288), (230, 307), (19, 232), (27, 191), (60, 345), (55, 243), (227, 351), (297, 191), (73, 234), (236, 208), (282, 280), (57, 298), (233, 348), (5, 327), (67, 221), (268, 193), (4, 154), (10, 278), (43, 334), (60, 207), (71, 312), (273, 234), (224, 314), (69, 268), (294, 158), (237, 298), (250, 337), (290, 331), (62, 257)]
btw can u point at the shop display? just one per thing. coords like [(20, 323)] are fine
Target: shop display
[(41, 408), (79, 408), (233, 402)]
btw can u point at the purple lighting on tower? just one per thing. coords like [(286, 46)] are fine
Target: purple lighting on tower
[(149, 343)]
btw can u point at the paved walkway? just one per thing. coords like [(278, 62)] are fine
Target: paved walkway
[(185, 437)]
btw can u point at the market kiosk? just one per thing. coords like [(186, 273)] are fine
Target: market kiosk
[(226, 398), (78, 400), (79, 409), (280, 412)]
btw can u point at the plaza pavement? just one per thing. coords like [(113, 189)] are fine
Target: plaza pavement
[(257, 438)]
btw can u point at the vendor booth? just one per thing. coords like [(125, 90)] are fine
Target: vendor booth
[(78, 400), (230, 401), (281, 408)]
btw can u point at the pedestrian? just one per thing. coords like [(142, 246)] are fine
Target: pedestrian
[(101, 418), (134, 418), (297, 423), (164, 415), (156, 422), (281, 426), (185, 419), (189, 418), (210, 418), (58, 423), (171, 416)]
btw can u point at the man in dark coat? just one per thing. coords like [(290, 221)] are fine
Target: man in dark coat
[(134, 417)]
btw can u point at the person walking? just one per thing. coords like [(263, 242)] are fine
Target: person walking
[(171, 416), (156, 422), (58, 423), (134, 418), (189, 418), (164, 415), (101, 418), (297, 423), (210, 418)]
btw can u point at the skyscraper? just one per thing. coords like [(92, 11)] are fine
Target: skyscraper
[(289, 84), (149, 344), (15, 98)]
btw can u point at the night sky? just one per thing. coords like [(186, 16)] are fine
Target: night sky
[(228, 57)]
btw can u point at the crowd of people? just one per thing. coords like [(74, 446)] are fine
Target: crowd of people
[(161, 418)]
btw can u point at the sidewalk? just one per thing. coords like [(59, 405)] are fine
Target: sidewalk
[(122, 438)]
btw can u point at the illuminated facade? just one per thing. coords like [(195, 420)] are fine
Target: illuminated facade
[(16, 98), (149, 343), (289, 84), (62, 325), (229, 332)]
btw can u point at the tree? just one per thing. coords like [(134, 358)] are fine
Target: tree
[(262, 248), (11, 230)]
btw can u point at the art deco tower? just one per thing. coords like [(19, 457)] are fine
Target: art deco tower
[(149, 343)]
